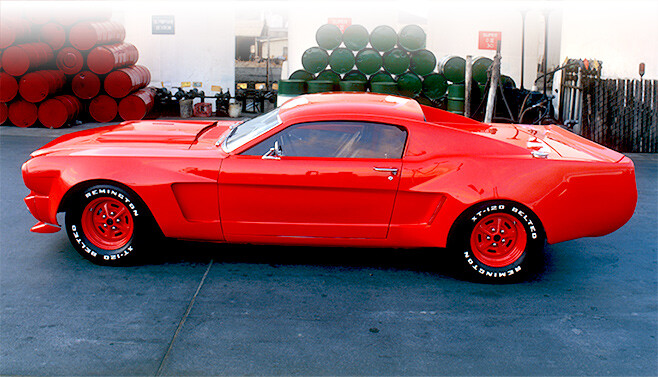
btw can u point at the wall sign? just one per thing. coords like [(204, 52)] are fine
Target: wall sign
[(488, 40), (342, 23), (162, 25)]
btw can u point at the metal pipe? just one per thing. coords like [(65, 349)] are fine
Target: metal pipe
[(267, 68), (493, 88), (468, 72), (545, 48), (579, 102), (523, 16)]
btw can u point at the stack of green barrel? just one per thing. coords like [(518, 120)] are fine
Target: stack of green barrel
[(453, 68), (382, 61)]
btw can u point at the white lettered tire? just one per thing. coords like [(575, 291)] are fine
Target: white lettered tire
[(107, 225), (499, 241)]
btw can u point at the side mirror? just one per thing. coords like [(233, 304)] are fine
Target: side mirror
[(274, 153)]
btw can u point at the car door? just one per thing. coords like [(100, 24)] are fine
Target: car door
[(317, 179)]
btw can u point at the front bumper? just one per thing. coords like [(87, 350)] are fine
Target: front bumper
[(42, 227), (39, 208)]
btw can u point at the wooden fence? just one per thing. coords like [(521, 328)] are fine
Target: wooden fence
[(621, 114)]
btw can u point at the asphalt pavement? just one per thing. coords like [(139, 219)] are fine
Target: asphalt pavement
[(211, 309)]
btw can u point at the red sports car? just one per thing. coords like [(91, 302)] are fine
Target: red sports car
[(349, 169)]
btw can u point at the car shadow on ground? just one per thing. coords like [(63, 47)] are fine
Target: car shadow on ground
[(441, 262)]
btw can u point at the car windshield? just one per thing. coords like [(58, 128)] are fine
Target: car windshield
[(250, 129)]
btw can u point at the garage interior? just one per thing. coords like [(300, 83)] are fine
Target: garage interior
[(65, 66)]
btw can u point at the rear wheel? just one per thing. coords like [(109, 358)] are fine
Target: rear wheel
[(499, 241), (107, 225)]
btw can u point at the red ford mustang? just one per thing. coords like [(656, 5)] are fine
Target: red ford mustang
[(360, 170)]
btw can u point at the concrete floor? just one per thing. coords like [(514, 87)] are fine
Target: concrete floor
[(205, 309)]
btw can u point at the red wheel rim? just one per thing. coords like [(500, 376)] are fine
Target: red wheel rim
[(498, 240), (107, 223)]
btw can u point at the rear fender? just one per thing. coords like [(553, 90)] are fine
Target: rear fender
[(522, 210)]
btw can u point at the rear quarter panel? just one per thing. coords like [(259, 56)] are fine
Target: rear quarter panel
[(445, 171), (586, 199)]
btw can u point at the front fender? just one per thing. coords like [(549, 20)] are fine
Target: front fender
[(181, 193)]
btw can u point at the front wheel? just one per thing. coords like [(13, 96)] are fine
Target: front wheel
[(107, 225), (499, 241)]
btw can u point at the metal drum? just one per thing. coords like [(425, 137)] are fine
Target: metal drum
[(396, 61), (452, 67), (508, 82), (355, 37), (137, 105), (86, 85), (384, 87), (329, 75), (13, 30), (103, 108), (22, 113), (39, 16), (301, 74), (58, 111), (290, 89), (383, 38), (124, 81), (425, 101), (69, 60), (4, 113), (355, 75), (319, 86), (85, 35), (368, 61), (480, 66), (315, 59), (8, 87), (103, 59), (456, 98), (422, 62), (482, 90), (17, 60), (435, 86), (381, 76), (409, 84), (412, 38), (329, 36), (341, 60), (36, 86), (352, 86), (53, 34)]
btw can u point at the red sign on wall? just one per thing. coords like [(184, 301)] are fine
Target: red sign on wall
[(342, 23), (488, 40)]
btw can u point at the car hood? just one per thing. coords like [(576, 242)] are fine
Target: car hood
[(139, 134)]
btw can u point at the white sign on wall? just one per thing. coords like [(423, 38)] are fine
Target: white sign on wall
[(162, 25)]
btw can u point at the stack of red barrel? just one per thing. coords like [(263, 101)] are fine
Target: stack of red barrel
[(55, 70)]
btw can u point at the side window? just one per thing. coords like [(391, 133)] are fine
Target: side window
[(338, 140)]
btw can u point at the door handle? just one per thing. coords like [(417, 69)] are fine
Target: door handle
[(393, 171)]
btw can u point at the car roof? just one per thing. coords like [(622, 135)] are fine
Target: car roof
[(346, 104)]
